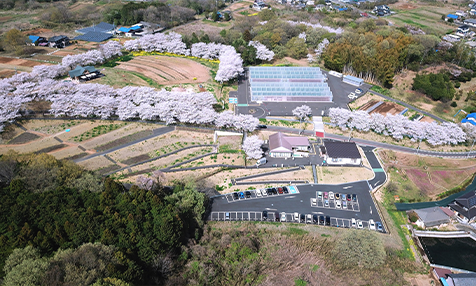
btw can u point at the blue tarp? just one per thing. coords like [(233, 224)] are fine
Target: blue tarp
[(33, 38), (124, 29), (452, 16)]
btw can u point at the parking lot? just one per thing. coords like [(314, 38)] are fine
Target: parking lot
[(255, 194), (323, 201)]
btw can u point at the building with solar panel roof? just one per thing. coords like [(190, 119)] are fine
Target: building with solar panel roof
[(285, 84)]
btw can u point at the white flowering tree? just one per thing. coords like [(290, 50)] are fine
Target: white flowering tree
[(301, 112), (252, 147), (262, 52), (231, 64)]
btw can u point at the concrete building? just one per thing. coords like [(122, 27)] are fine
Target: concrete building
[(281, 146), (337, 153)]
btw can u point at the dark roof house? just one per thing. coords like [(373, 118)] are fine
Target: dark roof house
[(433, 216), (83, 73), (58, 41), (465, 205), (461, 279), (94, 37), (341, 153)]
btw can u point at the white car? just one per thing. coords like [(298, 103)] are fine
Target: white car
[(354, 223), (313, 202), (371, 224), (296, 217), (309, 218), (258, 193), (358, 91), (352, 95), (338, 204), (326, 203), (263, 191), (359, 224), (283, 216), (331, 195)]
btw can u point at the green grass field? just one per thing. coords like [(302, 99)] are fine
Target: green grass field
[(427, 18)]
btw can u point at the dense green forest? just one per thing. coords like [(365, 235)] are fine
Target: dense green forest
[(50, 205)]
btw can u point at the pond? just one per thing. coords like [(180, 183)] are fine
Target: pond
[(453, 252)]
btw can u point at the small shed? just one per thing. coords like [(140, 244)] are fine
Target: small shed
[(36, 40), (341, 153), (84, 73), (431, 217), (452, 16), (353, 80)]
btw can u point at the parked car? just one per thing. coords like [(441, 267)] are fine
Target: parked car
[(248, 194), (283, 216), (337, 196), (331, 195), (359, 224), (354, 197), (302, 218), (354, 223), (269, 191), (227, 216), (319, 195), (379, 226), (276, 216), (313, 202), (242, 195), (315, 218), (322, 220), (296, 217), (265, 215), (328, 220), (359, 91), (371, 224), (275, 192), (338, 204), (326, 195), (344, 204), (309, 218), (262, 126), (258, 193), (326, 203), (235, 196), (280, 190), (285, 190), (263, 192), (342, 196), (349, 197), (261, 161)]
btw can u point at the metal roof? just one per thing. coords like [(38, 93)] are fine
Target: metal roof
[(278, 142), (432, 216), (353, 78), (452, 16), (336, 149), (58, 38), (94, 37), (79, 71), (101, 27)]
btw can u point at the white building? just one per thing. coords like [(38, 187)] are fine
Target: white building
[(341, 153), (281, 146)]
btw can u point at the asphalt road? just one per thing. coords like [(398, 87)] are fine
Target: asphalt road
[(364, 209)]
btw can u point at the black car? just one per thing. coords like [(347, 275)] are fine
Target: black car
[(302, 218), (315, 218), (286, 191), (354, 197), (265, 215), (269, 192), (275, 191), (262, 126), (248, 194), (321, 219), (235, 196), (276, 216), (328, 220)]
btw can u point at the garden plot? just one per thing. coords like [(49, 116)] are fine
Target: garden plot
[(221, 158), (168, 160), (129, 129), (77, 130), (49, 126), (11, 131), (67, 153), (37, 145), (24, 138), (167, 70), (96, 129), (95, 163), (163, 144), (340, 175)]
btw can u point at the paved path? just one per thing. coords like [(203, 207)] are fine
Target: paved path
[(155, 133), (409, 106)]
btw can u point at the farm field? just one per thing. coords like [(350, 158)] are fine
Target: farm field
[(423, 15), (423, 178), (118, 78), (167, 70)]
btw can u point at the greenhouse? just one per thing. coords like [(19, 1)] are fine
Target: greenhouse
[(299, 84)]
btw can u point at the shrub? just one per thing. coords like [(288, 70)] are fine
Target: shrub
[(454, 104)]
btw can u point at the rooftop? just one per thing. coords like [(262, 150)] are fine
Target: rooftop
[(336, 149), (432, 216), (278, 142), (79, 71), (94, 37), (452, 16)]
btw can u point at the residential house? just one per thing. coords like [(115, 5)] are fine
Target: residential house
[(37, 41), (451, 16), (338, 153), (149, 28), (462, 31), (460, 279), (431, 217), (132, 31), (84, 73), (259, 6), (381, 10), (472, 11), (281, 146), (460, 13), (465, 206), (60, 41), (470, 22)]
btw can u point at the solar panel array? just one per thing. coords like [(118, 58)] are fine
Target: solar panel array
[(288, 84)]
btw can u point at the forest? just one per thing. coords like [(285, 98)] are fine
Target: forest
[(51, 209)]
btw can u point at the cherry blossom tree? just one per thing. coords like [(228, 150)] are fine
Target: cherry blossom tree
[(302, 36), (170, 43), (321, 47), (111, 49), (252, 147), (262, 52), (231, 64), (301, 112), (210, 51), (89, 58)]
